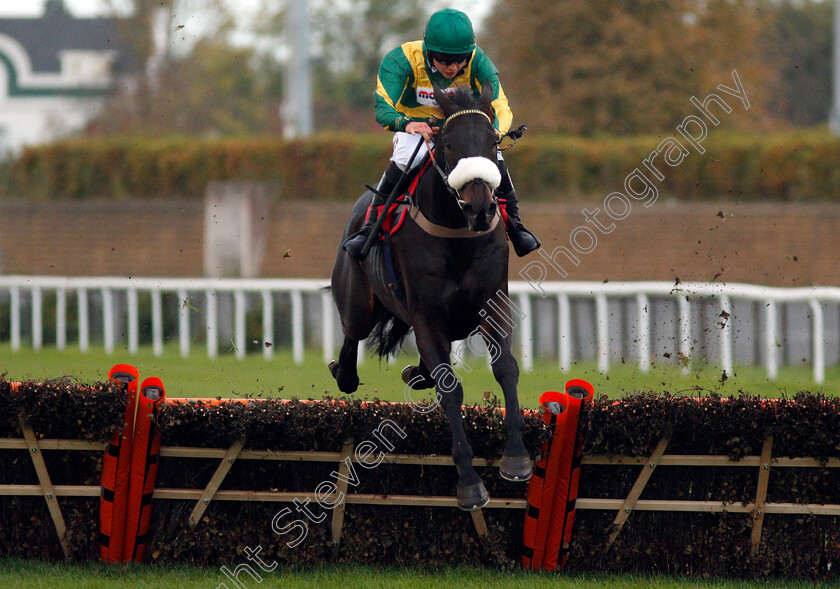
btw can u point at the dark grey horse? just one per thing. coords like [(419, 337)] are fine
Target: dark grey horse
[(451, 260)]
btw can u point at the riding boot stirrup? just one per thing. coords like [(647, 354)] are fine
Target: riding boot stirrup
[(354, 244), (524, 242)]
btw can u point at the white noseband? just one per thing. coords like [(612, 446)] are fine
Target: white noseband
[(470, 168)]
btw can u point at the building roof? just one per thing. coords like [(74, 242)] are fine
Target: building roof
[(58, 30)]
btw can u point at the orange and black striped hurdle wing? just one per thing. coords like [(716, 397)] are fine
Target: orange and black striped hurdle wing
[(553, 405), (532, 512), (144, 466), (116, 466), (579, 392)]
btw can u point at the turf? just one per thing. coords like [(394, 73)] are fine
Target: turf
[(227, 376), (31, 575)]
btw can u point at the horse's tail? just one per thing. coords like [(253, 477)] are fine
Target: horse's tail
[(388, 334)]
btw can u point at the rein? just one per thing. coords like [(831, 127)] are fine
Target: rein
[(514, 134)]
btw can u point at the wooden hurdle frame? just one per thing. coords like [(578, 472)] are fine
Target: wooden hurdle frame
[(227, 456)]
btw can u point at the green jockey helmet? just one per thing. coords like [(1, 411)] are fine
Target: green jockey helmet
[(449, 31)]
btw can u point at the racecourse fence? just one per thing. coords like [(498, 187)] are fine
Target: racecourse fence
[(750, 485), (641, 322), (622, 506)]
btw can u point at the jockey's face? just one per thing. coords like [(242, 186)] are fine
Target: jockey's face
[(448, 71)]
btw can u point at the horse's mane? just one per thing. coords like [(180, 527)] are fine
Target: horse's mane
[(464, 98)]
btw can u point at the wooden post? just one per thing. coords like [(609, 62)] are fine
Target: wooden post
[(761, 493), (46, 485), (214, 484), (341, 485), (636, 490), (480, 524)]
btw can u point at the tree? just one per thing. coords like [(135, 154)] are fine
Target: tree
[(353, 37), (214, 90), (194, 81), (802, 44), (626, 66)]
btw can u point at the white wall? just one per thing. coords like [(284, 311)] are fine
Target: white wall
[(27, 120)]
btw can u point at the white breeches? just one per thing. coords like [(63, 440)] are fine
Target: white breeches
[(406, 143), (404, 146)]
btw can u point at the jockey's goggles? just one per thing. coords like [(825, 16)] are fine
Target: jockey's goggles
[(450, 58)]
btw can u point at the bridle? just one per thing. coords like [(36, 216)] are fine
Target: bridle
[(444, 172), (468, 111)]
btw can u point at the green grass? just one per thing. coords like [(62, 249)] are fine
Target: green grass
[(227, 376), (20, 574)]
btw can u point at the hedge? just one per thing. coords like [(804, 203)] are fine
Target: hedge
[(699, 544), (787, 167), (793, 546), (58, 410)]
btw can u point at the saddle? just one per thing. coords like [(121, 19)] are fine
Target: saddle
[(394, 217), (397, 212)]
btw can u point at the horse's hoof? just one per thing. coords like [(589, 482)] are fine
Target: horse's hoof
[(345, 385), (515, 468), (472, 497), (412, 376), (406, 374)]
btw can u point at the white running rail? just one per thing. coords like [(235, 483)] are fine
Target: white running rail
[(201, 293)]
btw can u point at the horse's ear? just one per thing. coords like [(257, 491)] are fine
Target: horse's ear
[(447, 105), (486, 99)]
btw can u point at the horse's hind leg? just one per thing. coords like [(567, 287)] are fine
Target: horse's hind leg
[(355, 301), (418, 377), (344, 371)]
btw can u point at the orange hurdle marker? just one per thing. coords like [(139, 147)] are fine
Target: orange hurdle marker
[(552, 404), (116, 466), (579, 392), (552, 491), (553, 407), (144, 466)]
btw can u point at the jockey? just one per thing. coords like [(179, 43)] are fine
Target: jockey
[(449, 57)]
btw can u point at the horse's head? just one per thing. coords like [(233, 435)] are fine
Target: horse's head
[(466, 149)]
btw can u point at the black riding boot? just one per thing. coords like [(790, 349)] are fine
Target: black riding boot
[(524, 242), (353, 244)]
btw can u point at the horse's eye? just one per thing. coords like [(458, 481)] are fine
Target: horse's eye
[(447, 145)]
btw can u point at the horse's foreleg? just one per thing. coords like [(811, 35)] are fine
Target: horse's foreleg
[(516, 462), (344, 371), (434, 351)]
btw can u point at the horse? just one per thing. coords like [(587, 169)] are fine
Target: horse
[(453, 282)]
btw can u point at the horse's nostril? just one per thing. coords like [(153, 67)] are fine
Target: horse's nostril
[(481, 223)]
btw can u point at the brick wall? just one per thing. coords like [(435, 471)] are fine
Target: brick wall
[(99, 238), (785, 245)]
